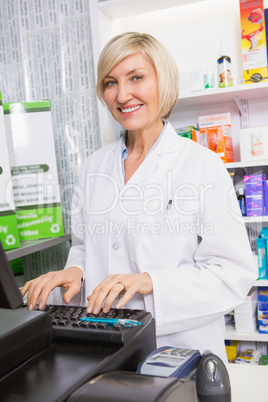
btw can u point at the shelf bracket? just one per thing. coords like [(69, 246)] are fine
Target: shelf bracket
[(242, 105)]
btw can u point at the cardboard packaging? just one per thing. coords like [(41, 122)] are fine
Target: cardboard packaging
[(254, 143), (217, 129), (256, 195), (191, 81), (246, 313), (9, 235), (34, 170), (232, 350), (249, 356), (263, 310), (253, 37), (266, 30), (262, 257)]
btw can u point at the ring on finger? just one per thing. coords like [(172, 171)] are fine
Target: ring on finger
[(123, 285)]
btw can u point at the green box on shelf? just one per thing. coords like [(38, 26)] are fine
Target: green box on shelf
[(34, 170), (9, 235)]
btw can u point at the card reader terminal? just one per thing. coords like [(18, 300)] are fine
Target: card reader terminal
[(169, 361)]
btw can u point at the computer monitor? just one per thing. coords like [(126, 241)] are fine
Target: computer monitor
[(10, 296)]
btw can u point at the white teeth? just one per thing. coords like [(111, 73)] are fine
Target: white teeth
[(130, 109)]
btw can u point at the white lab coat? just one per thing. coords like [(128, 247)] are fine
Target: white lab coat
[(178, 219)]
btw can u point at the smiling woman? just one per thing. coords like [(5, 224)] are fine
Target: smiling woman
[(164, 65), (154, 213), (131, 94)]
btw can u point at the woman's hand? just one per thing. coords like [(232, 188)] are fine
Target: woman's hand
[(108, 290), (69, 278)]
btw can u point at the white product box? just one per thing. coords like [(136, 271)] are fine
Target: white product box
[(33, 167), (254, 143), (9, 236), (191, 81), (246, 313)]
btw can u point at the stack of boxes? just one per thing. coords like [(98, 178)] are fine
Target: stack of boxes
[(30, 205), (9, 235), (214, 133), (256, 195), (31, 149), (263, 310)]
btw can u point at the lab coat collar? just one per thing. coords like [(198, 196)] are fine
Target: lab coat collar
[(168, 144)]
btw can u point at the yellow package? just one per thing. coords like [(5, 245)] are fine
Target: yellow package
[(253, 39)]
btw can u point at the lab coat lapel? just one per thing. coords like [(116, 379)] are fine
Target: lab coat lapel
[(114, 164), (167, 145)]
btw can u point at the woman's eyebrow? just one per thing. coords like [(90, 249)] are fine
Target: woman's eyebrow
[(139, 69)]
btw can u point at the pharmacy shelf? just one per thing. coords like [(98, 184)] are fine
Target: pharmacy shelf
[(236, 165), (261, 283), (29, 247), (127, 8), (231, 334), (255, 219), (223, 95)]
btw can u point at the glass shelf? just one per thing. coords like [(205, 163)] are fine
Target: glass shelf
[(29, 247)]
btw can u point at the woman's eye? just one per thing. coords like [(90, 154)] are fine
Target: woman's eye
[(109, 83), (137, 78)]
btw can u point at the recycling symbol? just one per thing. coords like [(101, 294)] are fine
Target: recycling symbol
[(55, 228), (10, 240)]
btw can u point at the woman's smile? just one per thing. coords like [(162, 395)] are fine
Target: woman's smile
[(129, 109)]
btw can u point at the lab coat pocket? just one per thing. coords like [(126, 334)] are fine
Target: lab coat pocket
[(166, 242)]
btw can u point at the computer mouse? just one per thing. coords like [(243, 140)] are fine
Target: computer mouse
[(212, 380)]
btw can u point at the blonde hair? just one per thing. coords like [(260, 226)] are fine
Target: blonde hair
[(166, 69)]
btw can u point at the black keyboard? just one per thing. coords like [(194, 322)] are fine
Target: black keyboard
[(68, 324)]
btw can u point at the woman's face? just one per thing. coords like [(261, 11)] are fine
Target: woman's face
[(131, 93)]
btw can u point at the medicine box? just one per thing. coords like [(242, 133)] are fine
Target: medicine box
[(253, 40), (232, 349), (263, 310), (246, 313), (217, 129), (33, 168), (263, 318), (254, 143), (249, 356), (9, 235), (256, 195), (191, 81), (262, 257)]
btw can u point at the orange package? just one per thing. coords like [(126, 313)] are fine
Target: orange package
[(217, 129)]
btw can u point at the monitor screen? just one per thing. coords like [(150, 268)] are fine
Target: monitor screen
[(10, 296)]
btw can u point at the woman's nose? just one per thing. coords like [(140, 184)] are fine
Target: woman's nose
[(123, 94)]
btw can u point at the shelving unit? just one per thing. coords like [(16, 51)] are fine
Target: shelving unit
[(117, 16), (126, 8), (223, 95), (30, 247), (232, 335)]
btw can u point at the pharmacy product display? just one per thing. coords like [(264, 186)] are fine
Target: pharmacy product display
[(253, 39), (34, 170), (8, 223)]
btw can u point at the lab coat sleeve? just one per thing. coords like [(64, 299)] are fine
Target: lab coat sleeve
[(189, 296)]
